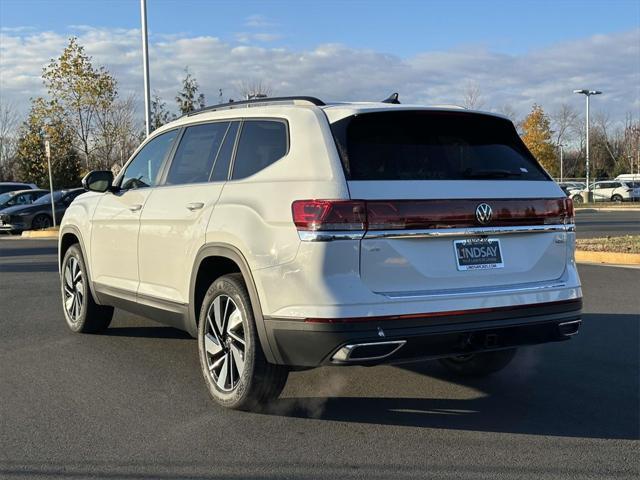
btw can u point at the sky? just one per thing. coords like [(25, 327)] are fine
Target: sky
[(516, 53)]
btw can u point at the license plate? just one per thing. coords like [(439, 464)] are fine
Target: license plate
[(478, 254)]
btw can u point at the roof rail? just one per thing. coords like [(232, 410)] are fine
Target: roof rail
[(248, 103)]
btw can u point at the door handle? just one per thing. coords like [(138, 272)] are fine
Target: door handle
[(195, 206), (135, 208)]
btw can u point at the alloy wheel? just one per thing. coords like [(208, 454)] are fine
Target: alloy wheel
[(224, 343), (73, 289)]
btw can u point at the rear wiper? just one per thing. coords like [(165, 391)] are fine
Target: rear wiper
[(495, 173)]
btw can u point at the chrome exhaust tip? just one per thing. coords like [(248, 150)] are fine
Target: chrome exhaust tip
[(569, 328), (359, 352)]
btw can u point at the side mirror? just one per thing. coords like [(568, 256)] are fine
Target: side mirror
[(98, 181)]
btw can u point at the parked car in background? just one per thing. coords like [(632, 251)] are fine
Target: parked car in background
[(610, 191), (13, 186), (38, 214), (20, 197)]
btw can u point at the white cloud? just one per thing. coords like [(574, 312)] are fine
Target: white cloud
[(258, 21), (337, 72), (244, 37)]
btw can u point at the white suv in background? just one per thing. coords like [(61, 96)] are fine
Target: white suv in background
[(615, 191), (286, 233)]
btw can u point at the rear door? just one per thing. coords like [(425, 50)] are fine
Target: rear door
[(175, 217), (454, 201)]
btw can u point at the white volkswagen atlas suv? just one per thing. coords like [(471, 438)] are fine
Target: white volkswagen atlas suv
[(286, 233)]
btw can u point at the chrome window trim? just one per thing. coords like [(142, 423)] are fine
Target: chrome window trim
[(327, 236)]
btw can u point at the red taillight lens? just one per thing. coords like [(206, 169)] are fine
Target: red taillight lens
[(570, 215), (329, 215)]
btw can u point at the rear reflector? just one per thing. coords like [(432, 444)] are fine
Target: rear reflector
[(332, 215)]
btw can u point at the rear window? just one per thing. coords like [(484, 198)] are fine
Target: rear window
[(423, 145)]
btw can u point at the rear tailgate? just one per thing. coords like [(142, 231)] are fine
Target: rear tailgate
[(454, 202), (418, 253)]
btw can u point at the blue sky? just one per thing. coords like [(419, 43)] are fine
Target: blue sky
[(399, 27), (516, 53)]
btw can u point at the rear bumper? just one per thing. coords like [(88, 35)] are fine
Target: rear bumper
[(395, 339)]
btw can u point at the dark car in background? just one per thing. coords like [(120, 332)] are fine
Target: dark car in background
[(20, 197), (13, 186), (38, 214)]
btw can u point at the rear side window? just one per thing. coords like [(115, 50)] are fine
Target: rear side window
[(262, 142), (422, 145), (198, 148)]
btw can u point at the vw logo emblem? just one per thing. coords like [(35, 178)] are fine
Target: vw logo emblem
[(484, 213)]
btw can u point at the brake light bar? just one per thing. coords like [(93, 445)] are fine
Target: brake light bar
[(361, 215)]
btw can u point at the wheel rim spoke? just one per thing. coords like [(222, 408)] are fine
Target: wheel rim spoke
[(212, 345), (235, 320), (222, 378), (238, 359)]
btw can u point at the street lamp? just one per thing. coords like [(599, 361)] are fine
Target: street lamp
[(560, 146), (587, 94), (145, 67)]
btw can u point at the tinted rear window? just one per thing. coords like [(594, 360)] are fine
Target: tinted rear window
[(421, 145)]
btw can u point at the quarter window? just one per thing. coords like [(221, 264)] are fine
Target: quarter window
[(196, 153), (221, 168), (143, 170), (262, 142)]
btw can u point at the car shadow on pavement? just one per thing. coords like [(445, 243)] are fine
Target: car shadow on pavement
[(586, 387)]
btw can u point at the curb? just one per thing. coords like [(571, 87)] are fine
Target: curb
[(40, 234), (608, 257)]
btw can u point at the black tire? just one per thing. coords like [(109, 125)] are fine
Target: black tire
[(479, 364), (259, 382), (88, 317), (617, 198), (41, 221), (577, 199)]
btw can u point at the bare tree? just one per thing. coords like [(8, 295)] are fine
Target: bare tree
[(563, 122), (8, 140), (472, 97), (115, 134), (253, 89)]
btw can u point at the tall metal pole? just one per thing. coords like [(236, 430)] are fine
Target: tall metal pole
[(561, 164), (589, 198), (145, 62), (47, 149)]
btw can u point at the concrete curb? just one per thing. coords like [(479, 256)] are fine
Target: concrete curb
[(608, 257), (41, 233)]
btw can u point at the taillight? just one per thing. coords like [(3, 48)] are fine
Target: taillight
[(329, 215), (375, 215), (569, 212)]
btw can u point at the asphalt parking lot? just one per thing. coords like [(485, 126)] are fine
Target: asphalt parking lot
[(131, 404)]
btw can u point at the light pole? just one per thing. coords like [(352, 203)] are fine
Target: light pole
[(587, 94), (47, 151), (145, 66), (560, 145)]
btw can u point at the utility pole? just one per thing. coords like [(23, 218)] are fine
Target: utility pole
[(561, 162), (145, 65), (47, 150), (587, 94)]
